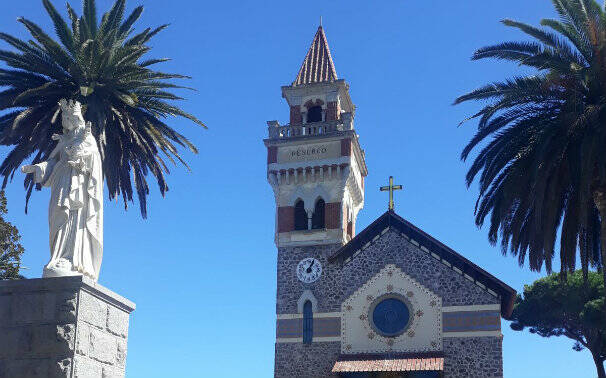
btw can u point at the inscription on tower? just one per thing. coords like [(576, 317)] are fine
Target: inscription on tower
[(327, 150)]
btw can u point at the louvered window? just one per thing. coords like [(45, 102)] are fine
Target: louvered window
[(317, 219), (300, 216)]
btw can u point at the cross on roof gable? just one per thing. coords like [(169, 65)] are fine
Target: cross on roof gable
[(425, 241), (317, 66)]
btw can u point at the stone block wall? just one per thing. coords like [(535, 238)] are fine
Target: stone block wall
[(463, 356), (306, 360), (393, 248), (64, 327), (473, 357), (327, 289)]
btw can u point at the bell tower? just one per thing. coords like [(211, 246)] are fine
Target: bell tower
[(315, 165)]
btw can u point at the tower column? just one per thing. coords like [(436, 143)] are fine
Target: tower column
[(314, 140)]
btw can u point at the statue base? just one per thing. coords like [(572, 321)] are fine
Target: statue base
[(63, 327), (60, 268)]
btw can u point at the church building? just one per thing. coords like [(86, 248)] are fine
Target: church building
[(388, 301)]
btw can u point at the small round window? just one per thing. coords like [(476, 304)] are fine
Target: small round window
[(390, 315)]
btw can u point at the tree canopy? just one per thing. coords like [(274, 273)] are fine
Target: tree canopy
[(540, 139), (10, 246), (99, 62), (572, 307)]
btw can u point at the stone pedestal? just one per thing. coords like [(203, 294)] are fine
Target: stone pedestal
[(62, 327)]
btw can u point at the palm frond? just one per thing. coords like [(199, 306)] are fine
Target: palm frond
[(540, 138), (101, 65)]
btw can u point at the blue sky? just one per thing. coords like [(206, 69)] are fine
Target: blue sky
[(202, 267)]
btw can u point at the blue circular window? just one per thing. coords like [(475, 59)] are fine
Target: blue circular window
[(390, 315)]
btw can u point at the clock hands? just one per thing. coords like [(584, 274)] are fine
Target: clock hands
[(308, 270)]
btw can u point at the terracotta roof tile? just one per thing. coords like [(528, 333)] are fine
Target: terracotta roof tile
[(317, 66), (389, 364)]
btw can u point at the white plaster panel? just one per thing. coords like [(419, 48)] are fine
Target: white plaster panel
[(424, 332), (308, 152), (329, 191)]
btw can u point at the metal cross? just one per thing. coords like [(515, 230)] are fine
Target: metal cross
[(390, 188)]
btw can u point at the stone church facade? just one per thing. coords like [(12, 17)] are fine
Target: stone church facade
[(391, 301)]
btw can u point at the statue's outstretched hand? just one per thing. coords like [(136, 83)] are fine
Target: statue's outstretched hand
[(28, 169), (56, 137)]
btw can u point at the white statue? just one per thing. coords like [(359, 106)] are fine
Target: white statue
[(75, 212)]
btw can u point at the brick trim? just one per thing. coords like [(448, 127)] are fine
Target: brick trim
[(296, 117), (332, 215), (471, 321), (286, 218), (345, 147), (272, 154), (331, 111), (322, 327)]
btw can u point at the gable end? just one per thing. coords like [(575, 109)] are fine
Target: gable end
[(435, 249)]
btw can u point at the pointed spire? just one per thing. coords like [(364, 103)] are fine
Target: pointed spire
[(317, 66)]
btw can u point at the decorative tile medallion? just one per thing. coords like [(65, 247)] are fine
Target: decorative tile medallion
[(422, 331)]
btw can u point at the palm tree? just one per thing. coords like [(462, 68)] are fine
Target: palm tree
[(541, 164), (100, 64)]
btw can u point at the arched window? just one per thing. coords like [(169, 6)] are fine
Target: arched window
[(300, 215), (317, 219), (308, 323), (314, 114)]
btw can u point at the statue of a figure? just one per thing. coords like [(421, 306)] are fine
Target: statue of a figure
[(75, 212)]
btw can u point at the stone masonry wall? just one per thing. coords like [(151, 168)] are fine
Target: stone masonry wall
[(327, 289), (473, 357), (102, 332), (392, 248), (464, 357), (306, 360), (298, 359), (62, 327)]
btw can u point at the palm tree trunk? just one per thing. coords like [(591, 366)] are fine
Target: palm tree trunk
[(599, 364), (599, 198)]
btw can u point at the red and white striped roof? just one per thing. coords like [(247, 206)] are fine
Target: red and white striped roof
[(318, 66)]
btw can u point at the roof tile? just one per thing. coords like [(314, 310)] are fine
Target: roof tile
[(317, 66), (389, 364)]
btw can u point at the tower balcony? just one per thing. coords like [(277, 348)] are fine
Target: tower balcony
[(276, 131)]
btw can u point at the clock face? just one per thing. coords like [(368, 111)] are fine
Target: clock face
[(309, 270)]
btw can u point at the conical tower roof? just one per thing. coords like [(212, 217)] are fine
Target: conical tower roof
[(317, 66)]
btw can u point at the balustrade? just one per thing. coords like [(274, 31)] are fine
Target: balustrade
[(316, 128)]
